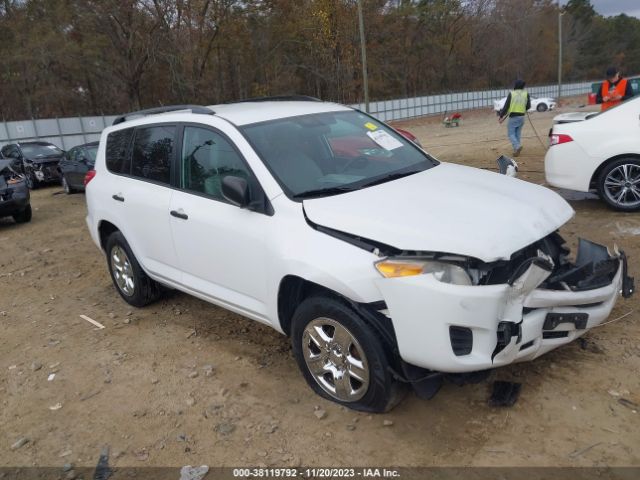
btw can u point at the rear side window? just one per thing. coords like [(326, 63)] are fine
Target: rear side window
[(153, 149), (116, 155)]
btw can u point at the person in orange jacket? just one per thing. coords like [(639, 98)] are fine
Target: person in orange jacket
[(614, 89)]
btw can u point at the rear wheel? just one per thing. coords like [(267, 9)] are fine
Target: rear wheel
[(619, 184), (132, 283), (542, 107), (340, 356), (65, 185), (24, 216)]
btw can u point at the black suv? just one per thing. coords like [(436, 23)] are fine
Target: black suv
[(37, 161)]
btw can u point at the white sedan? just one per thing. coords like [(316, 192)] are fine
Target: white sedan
[(540, 104), (600, 153)]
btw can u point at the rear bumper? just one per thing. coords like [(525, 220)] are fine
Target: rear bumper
[(454, 328), (565, 167)]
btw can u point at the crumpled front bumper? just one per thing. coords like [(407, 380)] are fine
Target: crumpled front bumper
[(455, 328)]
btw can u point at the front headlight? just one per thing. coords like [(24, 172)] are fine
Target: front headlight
[(442, 271)]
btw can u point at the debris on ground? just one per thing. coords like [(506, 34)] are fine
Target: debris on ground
[(387, 423), (193, 473), (51, 377), (92, 321), (320, 414), (504, 394), (577, 453), (20, 443), (103, 471), (55, 407)]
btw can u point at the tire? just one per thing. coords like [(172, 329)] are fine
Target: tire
[(542, 107), (66, 187), (24, 216), (132, 283), (616, 187), (370, 387)]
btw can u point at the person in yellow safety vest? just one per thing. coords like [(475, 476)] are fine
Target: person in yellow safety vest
[(516, 106), (614, 89)]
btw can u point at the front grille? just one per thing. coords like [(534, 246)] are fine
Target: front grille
[(461, 340)]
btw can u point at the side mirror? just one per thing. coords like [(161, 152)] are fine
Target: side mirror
[(236, 190)]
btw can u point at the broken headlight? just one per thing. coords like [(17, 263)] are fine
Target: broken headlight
[(442, 271)]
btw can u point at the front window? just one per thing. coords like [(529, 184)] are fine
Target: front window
[(92, 151), (206, 159), (40, 151), (329, 153)]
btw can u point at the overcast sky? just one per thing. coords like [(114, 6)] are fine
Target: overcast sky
[(616, 7)]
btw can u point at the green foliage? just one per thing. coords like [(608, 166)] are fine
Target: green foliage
[(78, 57)]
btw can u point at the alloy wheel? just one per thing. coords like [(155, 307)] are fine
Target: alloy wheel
[(122, 271), (622, 185), (335, 359)]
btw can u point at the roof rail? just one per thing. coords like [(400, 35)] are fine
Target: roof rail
[(280, 98), (170, 108)]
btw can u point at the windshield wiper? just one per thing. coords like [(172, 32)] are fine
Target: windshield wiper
[(388, 178), (321, 192)]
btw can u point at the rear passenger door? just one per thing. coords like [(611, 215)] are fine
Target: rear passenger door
[(221, 247), (142, 195)]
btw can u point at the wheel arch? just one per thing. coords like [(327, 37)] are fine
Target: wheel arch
[(294, 289), (593, 183), (105, 229)]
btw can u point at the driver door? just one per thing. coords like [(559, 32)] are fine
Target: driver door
[(221, 247)]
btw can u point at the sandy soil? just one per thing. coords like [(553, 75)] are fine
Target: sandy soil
[(184, 382)]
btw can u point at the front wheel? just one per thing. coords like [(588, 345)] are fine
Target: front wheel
[(131, 281), (542, 107), (619, 184), (24, 216), (341, 357)]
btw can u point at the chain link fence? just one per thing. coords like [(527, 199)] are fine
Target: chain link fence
[(69, 132)]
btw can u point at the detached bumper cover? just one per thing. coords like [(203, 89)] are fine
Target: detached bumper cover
[(505, 323)]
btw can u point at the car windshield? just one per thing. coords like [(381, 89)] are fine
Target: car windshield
[(92, 151), (330, 153), (35, 150)]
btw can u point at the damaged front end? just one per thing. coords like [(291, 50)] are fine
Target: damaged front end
[(472, 315), (14, 193)]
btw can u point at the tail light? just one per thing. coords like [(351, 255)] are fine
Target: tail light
[(89, 176), (558, 138)]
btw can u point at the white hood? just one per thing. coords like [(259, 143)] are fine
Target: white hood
[(449, 208)]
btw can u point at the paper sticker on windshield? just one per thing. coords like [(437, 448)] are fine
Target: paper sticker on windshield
[(370, 126), (385, 140)]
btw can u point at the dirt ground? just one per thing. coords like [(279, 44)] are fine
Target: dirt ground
[(184, 382)]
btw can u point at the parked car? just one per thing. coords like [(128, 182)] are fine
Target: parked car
[(383, 265), (75, 164), (38, 161), (601, 154), (540, 104), (14, 193)]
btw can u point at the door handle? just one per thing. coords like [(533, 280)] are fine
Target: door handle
[(118, 198), (179, 214)]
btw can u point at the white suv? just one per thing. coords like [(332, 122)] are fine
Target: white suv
[(383, 265)]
